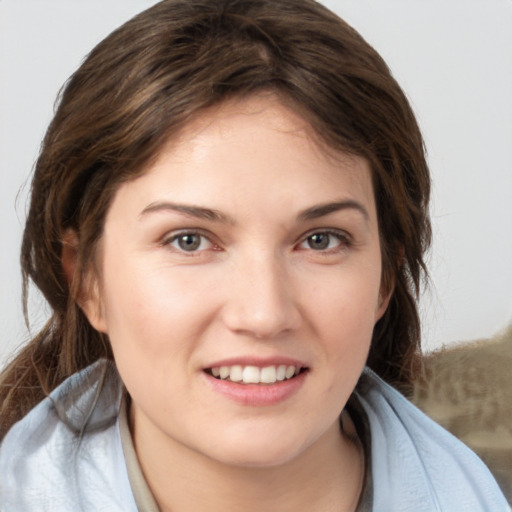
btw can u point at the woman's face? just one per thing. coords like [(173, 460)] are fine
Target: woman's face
[(244, 252)]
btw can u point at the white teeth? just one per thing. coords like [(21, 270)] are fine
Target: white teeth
[(268, 375), (281, 372), (236, 373), (254, 374), (251, 375), (290, 372)]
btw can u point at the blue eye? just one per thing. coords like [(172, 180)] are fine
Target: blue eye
[(190, 242), (323, 241)]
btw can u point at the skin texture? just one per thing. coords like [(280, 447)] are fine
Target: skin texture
[(257, 288)]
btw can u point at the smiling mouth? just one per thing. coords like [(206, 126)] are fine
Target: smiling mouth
[(255, 375)]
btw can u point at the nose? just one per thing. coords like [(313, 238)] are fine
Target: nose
[(260, 298)]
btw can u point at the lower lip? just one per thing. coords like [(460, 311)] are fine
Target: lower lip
[(257, 394)]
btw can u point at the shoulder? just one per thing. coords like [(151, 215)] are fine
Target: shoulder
[(67, 450), (416, 464)]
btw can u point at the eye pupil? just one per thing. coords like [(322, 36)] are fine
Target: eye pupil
[(319, 241), (189, 242)]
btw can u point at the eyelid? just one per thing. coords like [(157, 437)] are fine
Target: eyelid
[(172, 236), (343, 236)]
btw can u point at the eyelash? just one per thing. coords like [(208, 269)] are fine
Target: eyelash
[(176, 237), (342, 237)]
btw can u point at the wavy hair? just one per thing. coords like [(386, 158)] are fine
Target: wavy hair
[(142, 84)]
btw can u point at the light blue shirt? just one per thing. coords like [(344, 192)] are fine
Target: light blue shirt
[(66, 454)]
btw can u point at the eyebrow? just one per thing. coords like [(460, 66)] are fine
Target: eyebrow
[(211, 214), (321, 210), (192, 211)]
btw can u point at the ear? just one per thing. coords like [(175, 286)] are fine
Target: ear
[(88, 293), (386, 292), (382, 305)]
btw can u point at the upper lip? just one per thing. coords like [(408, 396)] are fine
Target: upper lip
[(258, 362)]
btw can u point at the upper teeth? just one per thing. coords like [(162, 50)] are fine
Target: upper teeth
[(255, 375)]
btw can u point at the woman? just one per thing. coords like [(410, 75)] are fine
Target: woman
[(228, 218)]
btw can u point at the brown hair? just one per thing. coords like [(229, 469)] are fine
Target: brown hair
[(142, 83)]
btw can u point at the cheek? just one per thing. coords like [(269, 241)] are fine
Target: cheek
[(152, 310), (344, 309), (154, 324)]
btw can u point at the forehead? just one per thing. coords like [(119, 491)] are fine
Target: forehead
[(252, 150)]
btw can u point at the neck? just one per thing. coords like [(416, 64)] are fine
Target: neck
[(326, 477)]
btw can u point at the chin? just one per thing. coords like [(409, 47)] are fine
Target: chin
[(264, 453)]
